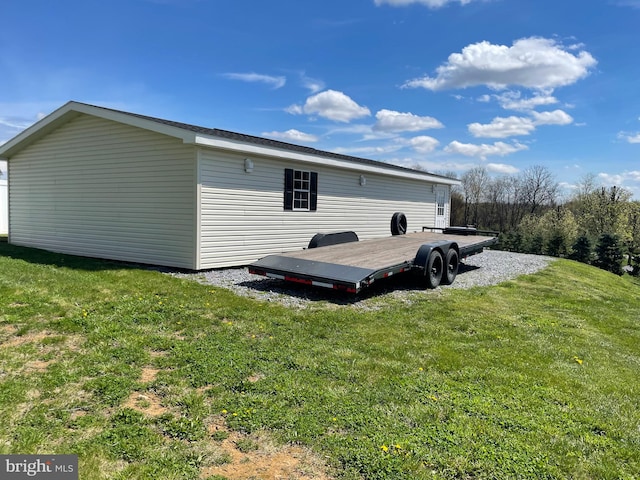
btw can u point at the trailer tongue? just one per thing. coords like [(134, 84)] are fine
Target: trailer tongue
[(340, 262)]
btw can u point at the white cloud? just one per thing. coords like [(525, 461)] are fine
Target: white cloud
[(424, 144), (332, 105), (14, 123), (536, 63), (353, 129), (557, 117), (432, 165), (366, 151), (611, 179), (275, 82), (421, 144), (427, 3), (572, 187), (292, 135), (628, 3), (501, 168), (312, 84), (10, 126), (391, 121), (629, 180), (620, 179), (295, 109), (484, 150), (513, 100), (501, 127), (630, 137)]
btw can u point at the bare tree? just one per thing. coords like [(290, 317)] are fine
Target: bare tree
[(474, 184), (515, 206), (538, 188), (587, 185), (499, 198)]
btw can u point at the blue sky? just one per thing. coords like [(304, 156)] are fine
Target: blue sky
[(442, 84)]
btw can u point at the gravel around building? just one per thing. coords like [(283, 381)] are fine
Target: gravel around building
[(487, 268)]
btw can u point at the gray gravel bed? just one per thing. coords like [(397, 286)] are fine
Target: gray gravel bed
[(488, 268)]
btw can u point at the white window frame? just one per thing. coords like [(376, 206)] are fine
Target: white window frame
[(301, 190)]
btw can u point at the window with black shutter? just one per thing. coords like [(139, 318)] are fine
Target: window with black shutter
[(300, 190)]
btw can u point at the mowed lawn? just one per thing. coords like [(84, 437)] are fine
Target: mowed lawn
[(144, 375)]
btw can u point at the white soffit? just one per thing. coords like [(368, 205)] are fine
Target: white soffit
[(262, 150)]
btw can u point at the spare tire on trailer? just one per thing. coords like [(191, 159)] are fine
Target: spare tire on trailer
[(398, 224), (451, 264)]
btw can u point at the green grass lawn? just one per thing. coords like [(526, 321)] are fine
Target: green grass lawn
[(535, 378)]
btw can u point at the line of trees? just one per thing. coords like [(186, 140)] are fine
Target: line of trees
[(598, 225)]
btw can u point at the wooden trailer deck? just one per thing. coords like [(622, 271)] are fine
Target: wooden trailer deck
[(378, 253), (355, 265)]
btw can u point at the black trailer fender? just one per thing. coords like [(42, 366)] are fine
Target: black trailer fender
[(434, 260), (333, 238)]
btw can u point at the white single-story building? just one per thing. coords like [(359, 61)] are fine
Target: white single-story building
[(4, 200), (98, 182)]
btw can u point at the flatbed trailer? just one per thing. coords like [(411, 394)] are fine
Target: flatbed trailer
[(341, 262)]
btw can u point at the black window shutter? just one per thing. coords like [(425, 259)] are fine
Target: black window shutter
[(313, 194), (288, 188)]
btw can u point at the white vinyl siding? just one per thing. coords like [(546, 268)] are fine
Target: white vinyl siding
[(243, 219), (4, 207), (98, 188)]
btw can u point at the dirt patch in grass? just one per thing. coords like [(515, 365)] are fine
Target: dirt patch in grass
[(256, 377), (37, 366), (10, 329), (48, 340), (147, 403), (148, 374), (17, 341), (255, 457), (76, 414), (158, 354)]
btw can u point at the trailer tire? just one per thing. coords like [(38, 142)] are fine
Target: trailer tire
[(451, 264), (434, 269), (398, 224)]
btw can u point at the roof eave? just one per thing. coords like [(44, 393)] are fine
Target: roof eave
[(247, 148), (72, 109)]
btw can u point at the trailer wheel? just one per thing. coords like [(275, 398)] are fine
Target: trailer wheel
[(451, 263), (434, 270), (398, 224)]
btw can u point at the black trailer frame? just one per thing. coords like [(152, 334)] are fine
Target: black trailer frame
[(341, 262)]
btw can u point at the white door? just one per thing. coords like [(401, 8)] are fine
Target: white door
[(441, 207)]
